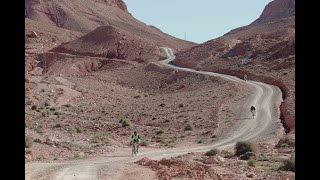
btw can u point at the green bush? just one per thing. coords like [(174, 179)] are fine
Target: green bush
[(189, 127), (243, 147), (212, 152), (28, 141), (289, 164)]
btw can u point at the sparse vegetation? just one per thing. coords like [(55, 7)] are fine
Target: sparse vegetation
[(200, 141), (212, 152), (33, 107), (58, 113), (214, 136), (125, 122), (226, 154), (26, 124), (247, 155), (75, 157), (72, 130), (39, 130), (144, 143), (44, 114), (243, 147), (287, 141), (67, 105), (189, 127), (57, 126), (159, 132), (252, 163), (171, 142), (289, 164), (47, 103), (28, 141), (101, 137), (79, 129)]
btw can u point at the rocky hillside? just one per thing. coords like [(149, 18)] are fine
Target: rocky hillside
[(111, 42), (265, 52), (275, 10), (86, 15)]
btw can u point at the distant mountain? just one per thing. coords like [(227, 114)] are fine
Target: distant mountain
[(276, 10), (86, 15)]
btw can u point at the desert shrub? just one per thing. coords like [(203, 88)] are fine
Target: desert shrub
[(44, 114), (28, 141), (75, 156), (247, 155), (125, 122), (79, 129), (58, 113), (144, 143), (26, 124), (212, 152), (33, 107), (289, 164), (214, 136), (189, 127), (243, 147), (39, 130), (57, 126), (287, 141), (67, 105), (200, 141), (72, 130), (46, 103), (252, 163), (159, 132)]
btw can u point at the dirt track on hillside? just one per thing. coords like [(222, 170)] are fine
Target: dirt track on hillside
[(265, 99)]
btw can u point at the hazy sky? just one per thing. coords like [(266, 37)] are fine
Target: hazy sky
[(200, 20)]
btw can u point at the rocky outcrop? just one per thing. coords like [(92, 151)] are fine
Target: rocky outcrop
[(275, 10), (111, 42)]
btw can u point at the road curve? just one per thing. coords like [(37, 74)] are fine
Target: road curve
[(265, 99)]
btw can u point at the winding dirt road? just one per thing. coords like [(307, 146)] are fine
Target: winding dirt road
[(265, 99)]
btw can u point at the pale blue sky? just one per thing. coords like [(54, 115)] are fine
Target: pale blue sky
[(200, 20)]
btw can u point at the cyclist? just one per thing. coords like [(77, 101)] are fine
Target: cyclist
[(253, 110), (135, 138)]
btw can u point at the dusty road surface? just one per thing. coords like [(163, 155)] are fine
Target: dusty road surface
[(265, 98)]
